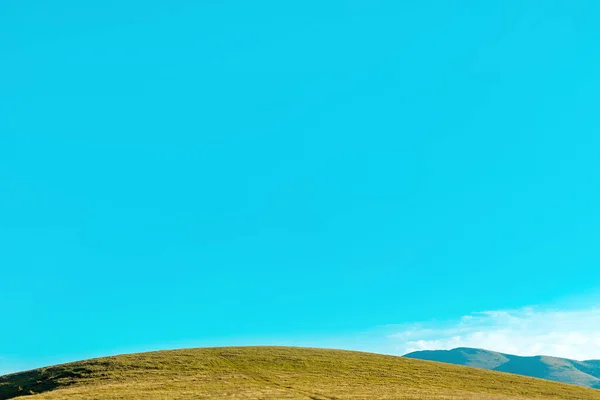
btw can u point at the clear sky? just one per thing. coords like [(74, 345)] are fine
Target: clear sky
[(177, 173)]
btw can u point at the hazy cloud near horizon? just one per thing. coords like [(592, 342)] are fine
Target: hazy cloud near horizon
[(571, 334), (7, 366)]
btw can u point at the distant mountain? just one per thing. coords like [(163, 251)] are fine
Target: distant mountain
[(582, 373)]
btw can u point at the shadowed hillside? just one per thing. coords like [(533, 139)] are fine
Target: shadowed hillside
[(276, 373), (583, 373)]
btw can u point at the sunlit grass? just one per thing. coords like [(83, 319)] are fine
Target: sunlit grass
[(276, 373)]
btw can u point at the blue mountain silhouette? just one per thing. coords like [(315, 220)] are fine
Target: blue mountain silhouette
[(582, 373)]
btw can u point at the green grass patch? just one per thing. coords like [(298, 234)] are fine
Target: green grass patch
[(275, 373)]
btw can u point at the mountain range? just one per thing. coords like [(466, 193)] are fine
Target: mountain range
[(582, 373)]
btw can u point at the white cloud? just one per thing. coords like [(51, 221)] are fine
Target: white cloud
[(529, 331)]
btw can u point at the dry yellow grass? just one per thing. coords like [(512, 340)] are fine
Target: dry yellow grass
[(276, 373)]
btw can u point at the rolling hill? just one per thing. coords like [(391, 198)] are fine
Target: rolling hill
[(583, 373), (276, 373)]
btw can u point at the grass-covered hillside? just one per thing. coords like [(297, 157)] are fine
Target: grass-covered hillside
[(276, 373)]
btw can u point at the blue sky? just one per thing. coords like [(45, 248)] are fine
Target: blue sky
[(193, 173)]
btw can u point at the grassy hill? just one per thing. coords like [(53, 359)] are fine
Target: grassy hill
[(276, 373), (583, 373)]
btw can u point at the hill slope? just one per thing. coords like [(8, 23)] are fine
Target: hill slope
[(276, 373), (583, 373)]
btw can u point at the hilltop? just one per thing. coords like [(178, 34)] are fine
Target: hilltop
[(276, 373), (583, 373)]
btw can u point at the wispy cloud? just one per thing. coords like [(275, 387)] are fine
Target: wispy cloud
[(528, 331)]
